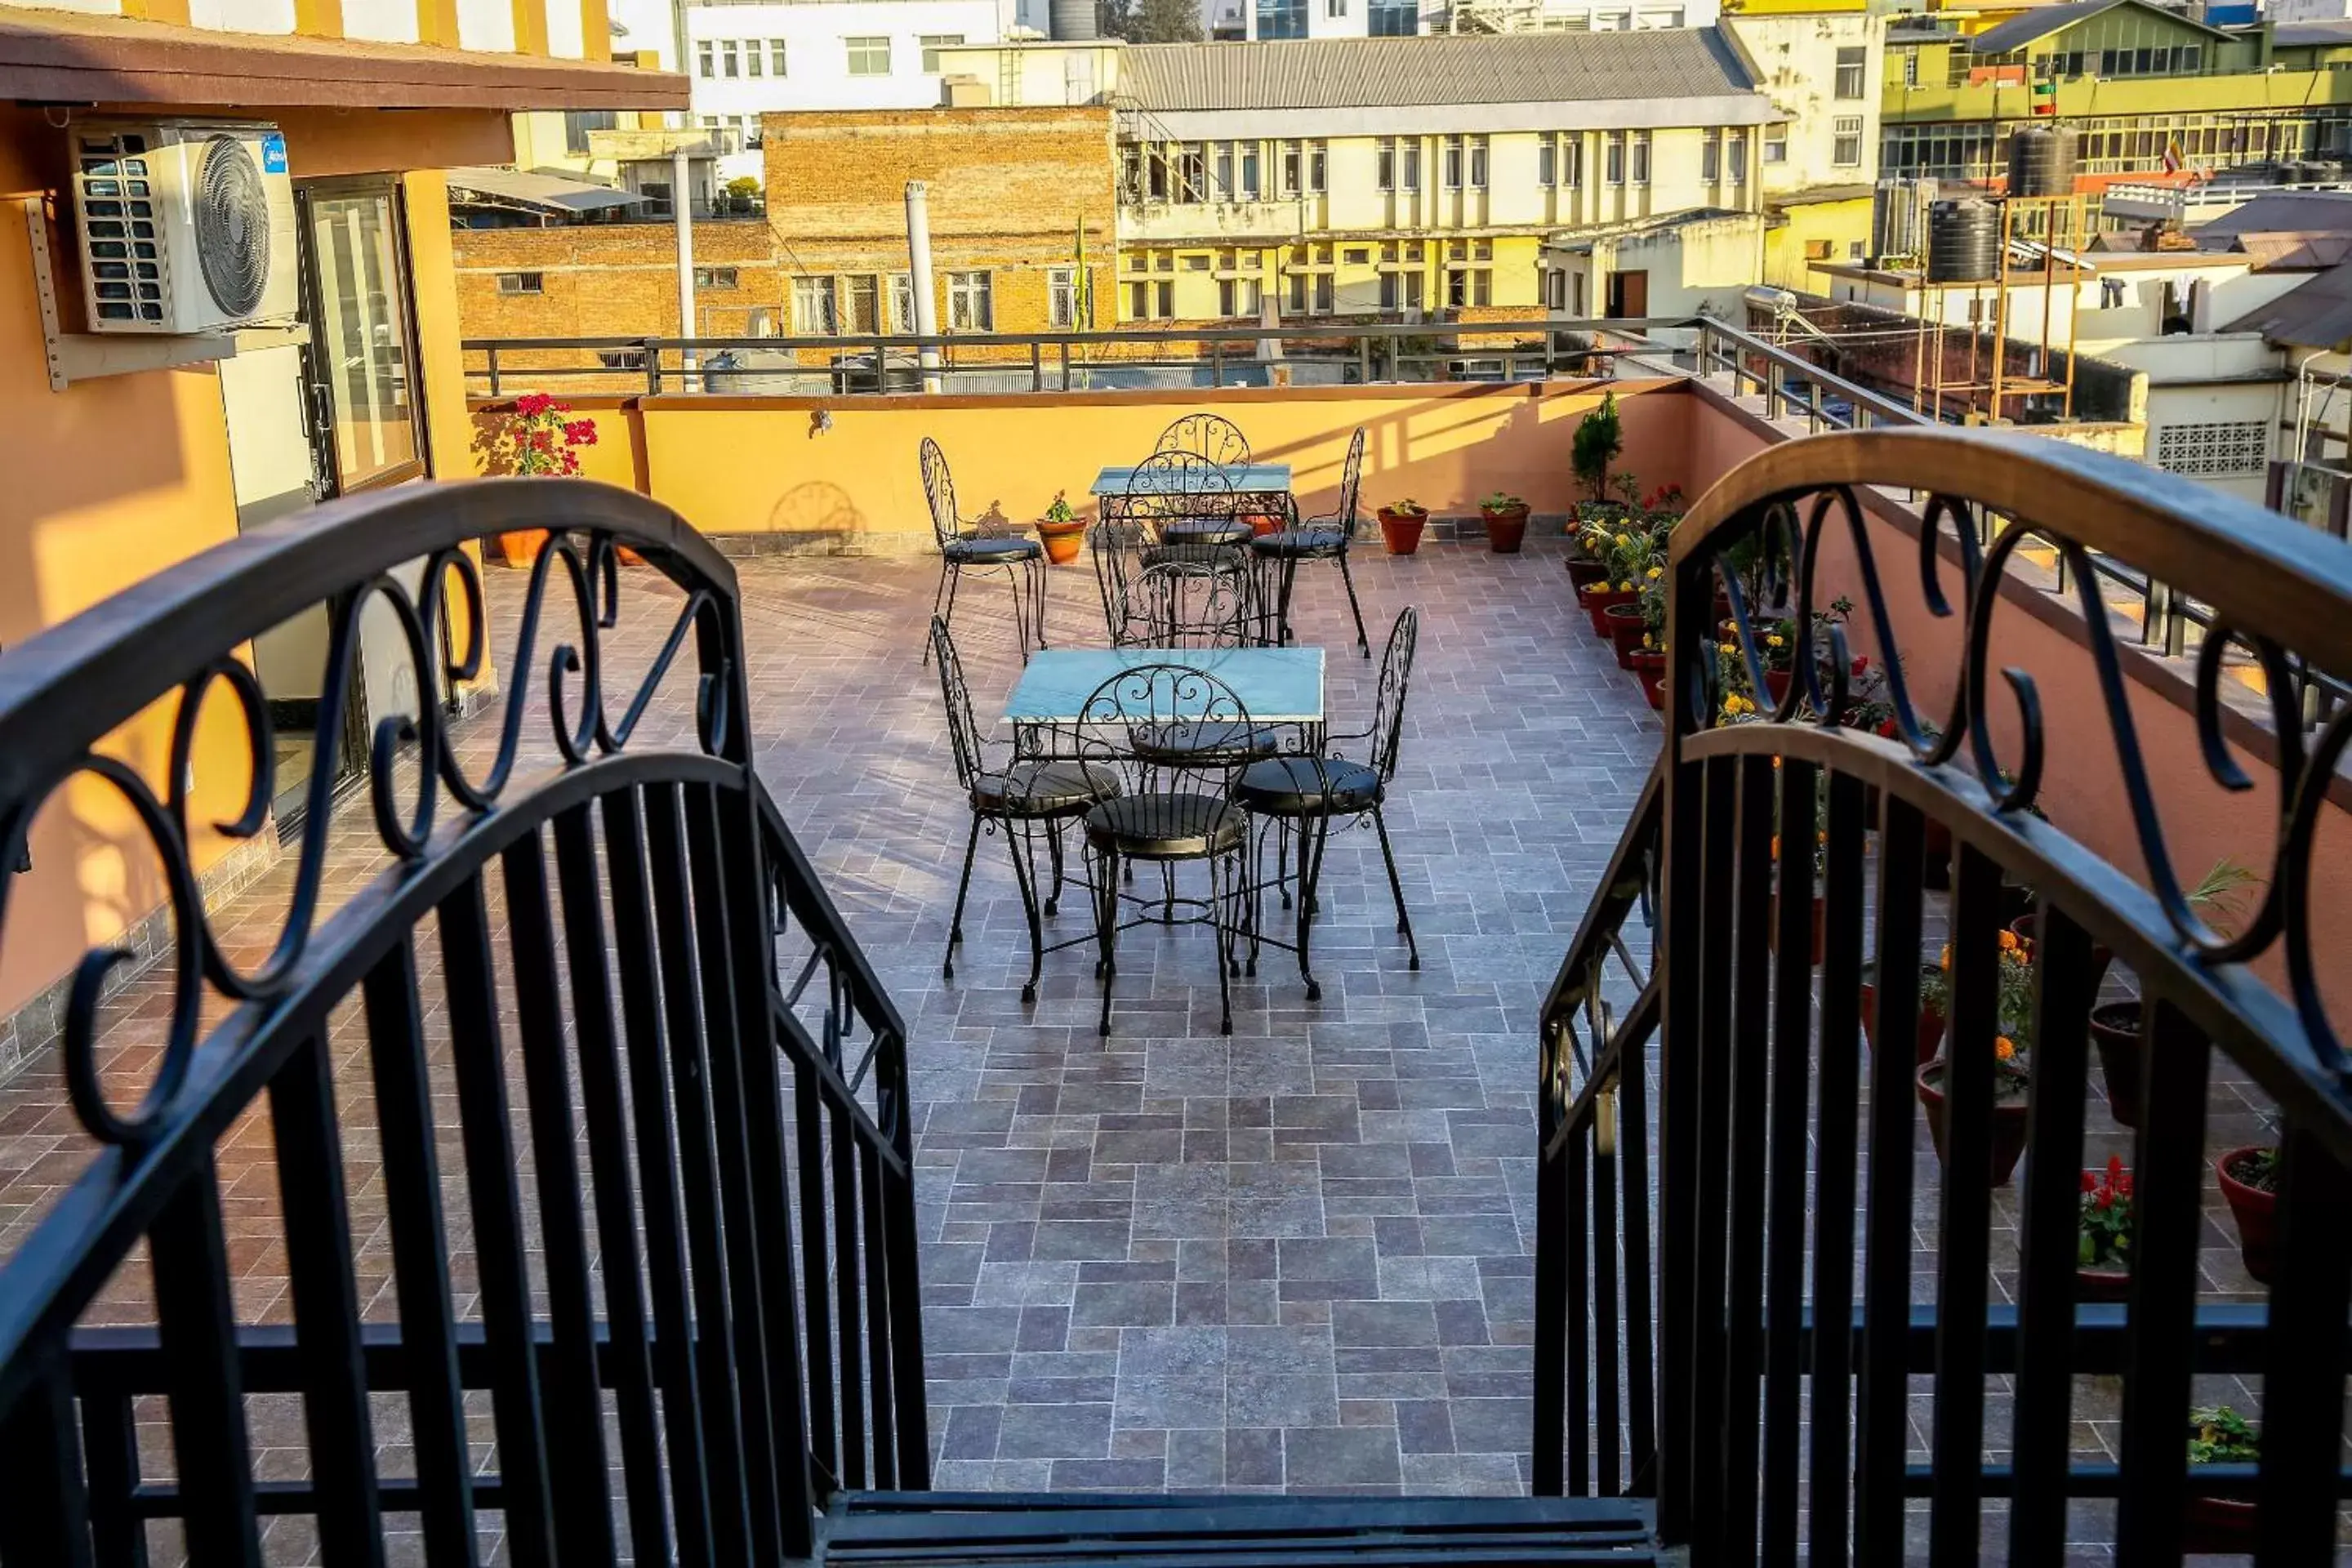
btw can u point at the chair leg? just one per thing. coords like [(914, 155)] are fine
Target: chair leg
[(1312, 833), (1353, 608), (1106, 927), (1405, 920), (955, 921), (946, 570), (1053, 846), (1282, 607), (1018, 839), (954, 581), (1225, 872), (1037, 598)]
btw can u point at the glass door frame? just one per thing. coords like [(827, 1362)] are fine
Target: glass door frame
[(317, 370)]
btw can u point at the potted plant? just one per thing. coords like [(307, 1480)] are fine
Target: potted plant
[(1628, 551), (2014, 1015), (540, 437), (1401, 525), (2114, 1027), (1599, 436), (2102, 1260), (2218, 1434), (1588, 559), (1061, 530), (2249, 1178), (1506, 522), (1648, 660), (1934, 1002)]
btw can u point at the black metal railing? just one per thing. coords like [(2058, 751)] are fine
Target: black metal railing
[(593, 977), (1792, 1357)]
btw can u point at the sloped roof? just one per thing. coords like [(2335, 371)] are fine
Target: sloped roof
[(2316, 316), (1400, 73), (543, 192), (2281, 212), (2020, 31)]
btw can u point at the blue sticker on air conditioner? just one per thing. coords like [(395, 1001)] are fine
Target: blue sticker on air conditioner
[(273, 153)]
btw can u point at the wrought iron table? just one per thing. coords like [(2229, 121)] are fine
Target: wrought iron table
[(1277, 685), (1257, 489)]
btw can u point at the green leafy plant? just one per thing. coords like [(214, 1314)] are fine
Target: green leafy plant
[(1059, 511), (2257, 1168), (1407, 508), (2218, 897), (2106, 1222), (1599, 436), (1501, 501), (2218, 1434)]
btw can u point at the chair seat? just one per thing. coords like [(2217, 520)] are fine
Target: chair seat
[(1300, 544), (990, 552), (1042, 789), (1166, 826), (1190, 742), (1301, 786)]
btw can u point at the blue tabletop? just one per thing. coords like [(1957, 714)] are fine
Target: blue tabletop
[(1278, 685), (1252, 478)]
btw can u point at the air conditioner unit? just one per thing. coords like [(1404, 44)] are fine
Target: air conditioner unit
[(186, 226)]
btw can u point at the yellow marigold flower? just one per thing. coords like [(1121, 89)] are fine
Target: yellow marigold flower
[(1645, 639), (2009, 941), (2005, 1047), (1657, 571), (1727, 648), (1772, 639), (1624, 539), (1624, 587)]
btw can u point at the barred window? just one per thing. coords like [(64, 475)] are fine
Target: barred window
[(2235, 449)]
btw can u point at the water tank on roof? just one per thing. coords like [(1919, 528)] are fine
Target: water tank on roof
[(1072, 20), (1963, 241), (2040, 162), (1895, 218)]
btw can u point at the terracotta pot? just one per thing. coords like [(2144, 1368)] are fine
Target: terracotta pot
[(1401, 530), (1063, 539), (1776, 683), (1648, 663), (1583, 571), (2219, 1524), (2114, 1030), (2256, 1212), (1772, 929), (2008, 1123), (1263, 524), (2102, 1284), (1597, 601), (1929, 1034), (1655, 687), (1507, 527), (522, 547), (1626, 629)]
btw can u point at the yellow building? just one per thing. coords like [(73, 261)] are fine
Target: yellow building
[(1823, 65), (1395, 176), (328, 365)]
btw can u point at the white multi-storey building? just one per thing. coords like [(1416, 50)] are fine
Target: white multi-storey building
[(1271, 19)]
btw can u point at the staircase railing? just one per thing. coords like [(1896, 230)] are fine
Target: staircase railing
[(526, 1148), (1793, 1358)]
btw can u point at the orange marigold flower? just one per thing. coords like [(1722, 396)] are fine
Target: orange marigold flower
[(2005, 1047)]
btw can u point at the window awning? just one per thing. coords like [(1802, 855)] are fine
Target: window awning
[(542, 193), (70, 57)]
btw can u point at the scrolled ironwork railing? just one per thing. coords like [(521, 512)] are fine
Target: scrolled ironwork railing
[(1792, 1355), (595, 957)]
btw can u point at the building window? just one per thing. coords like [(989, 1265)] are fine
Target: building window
[(360, 346), (760, 321), (1449, 166), (704, 59), (1281, 19), (813, 312), (932, 44), (1330, 8), (716, 278), (578, 123), (621, 359), (1641, 171), (1062, 298), (520, 282), (730, 60), (1291, 157), (1477, 163), (1318, 162), (775, 56), (1384, 162), (1852, 66), (1548, 161), (1250, 158), (1388, 19), (1710, 156), (1409, 157), (868, 57), (971, 303), (2234, 450), (1613, 167), (1775, 144), (1846, 147), (1326, 294), (755, 58), (1224, 171), (864, 303), (902, 302), (1191, 174), (1736, 149), (1237, 296), (1469, 286), (1911, 68)]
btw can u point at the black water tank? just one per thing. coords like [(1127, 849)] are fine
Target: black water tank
[(2040, 162), (1963, 241)]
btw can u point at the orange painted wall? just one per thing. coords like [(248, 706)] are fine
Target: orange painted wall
[(761, 466)]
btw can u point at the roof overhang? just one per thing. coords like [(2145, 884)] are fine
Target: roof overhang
[(65, 56), (1591, 114), (542, 193)]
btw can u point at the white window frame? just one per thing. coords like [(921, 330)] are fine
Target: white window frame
[(522, 283), (816, 312), (1845, 141), (862, 48), (1776, 141), (931, 44), (1062, 299), (1855, 59), (778, 57), (972, 301)]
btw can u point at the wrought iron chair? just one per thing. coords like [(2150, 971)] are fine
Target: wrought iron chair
[(1211, 435), (1167, 728), (1196, 583), (1306, 795), (1314, 539), (967, 546), (1020, 798)]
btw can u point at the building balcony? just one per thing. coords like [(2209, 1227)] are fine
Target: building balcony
[(1590, 1187)]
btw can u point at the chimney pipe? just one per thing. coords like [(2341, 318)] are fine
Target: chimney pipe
[(918, 269)]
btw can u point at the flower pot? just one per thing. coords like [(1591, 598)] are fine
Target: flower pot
[(2008, 1123), (2256, 1212), (2114, 1030), (1062, 540), (2102, 1284), (1928, 1036), (1776, 683), (1772, 927), (1648, 663), (1598, 599), (1401, 530), (522, 547), (1263, 524), (1507, 527), (1583, 571), (2214, 1525), (1655, 687), (1626, 629)]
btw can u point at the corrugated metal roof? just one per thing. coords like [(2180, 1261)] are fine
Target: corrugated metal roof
[(1398, 73), (543, 190), (2316, 316), (2020, 31), (2280, 212)]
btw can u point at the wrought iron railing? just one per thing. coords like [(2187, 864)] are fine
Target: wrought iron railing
[(627, 940), (1792, 1356)]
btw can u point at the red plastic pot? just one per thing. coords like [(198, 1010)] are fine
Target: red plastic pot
[(1655, 687), (2008, 1123), (1626, 630), (1928, 1036), (1597, 601), (1401, 530), (2102, 1284), (1507, 529), (1776, 681), (1647, 662), (2114, 1030), (1583, 571), (2219, 1524), (2256, 1212)]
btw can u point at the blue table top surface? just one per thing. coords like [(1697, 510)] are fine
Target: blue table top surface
[(1277, 685), (1256, 479)]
